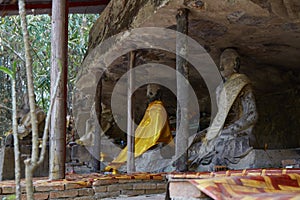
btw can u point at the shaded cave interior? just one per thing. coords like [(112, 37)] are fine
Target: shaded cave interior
[(266, 35), (277, 102)]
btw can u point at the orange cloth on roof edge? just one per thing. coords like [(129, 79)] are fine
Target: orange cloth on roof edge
[(153, 129)]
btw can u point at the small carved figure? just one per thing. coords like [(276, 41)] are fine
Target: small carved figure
[(229, 136), (24, 122)]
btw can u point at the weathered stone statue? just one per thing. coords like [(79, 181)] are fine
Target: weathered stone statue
[(25, 141), (24, 122), (229, 136), (153, 138)]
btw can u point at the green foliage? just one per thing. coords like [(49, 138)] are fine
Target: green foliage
[(10, 197), (13, 58), (10, 72), (7, 71)]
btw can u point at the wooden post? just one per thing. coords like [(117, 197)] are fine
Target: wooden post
[(59, 45), (130, 121), (96, 149), (182, 93)]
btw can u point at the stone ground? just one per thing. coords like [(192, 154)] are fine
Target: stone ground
[(143, 197)]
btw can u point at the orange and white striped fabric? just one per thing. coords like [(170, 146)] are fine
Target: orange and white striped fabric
[(255, 184)]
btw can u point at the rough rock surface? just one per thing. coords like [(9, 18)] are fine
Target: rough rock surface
[(266, 33)]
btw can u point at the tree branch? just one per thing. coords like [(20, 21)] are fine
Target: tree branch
[(10, 48), (34, 153), (47, 123), (30, 164), (3, 106)]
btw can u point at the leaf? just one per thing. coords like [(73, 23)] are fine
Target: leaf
[(7, 71)]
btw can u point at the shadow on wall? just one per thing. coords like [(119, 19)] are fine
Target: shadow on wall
[(279, 119)]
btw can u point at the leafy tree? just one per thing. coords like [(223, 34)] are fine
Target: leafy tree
[(12, 74), (12, 54), (11, 50)]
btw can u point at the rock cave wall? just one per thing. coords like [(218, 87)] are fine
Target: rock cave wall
[(266, 33)]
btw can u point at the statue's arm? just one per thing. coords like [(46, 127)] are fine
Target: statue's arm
[(249, 113)]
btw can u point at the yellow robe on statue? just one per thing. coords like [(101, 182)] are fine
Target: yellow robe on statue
[(153, 129)]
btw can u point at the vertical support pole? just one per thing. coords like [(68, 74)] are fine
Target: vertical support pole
[(59, 40), (130, 121), (182, 130), (96, 149)]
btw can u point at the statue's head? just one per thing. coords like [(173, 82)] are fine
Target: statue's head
[(229, 62), (153, 92)]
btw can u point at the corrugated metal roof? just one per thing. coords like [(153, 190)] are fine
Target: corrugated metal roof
[(10, 7)]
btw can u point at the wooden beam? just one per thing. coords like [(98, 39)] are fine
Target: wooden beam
[(48, 5), (130, 121), (13, 8), (96, 149), (59, 45), (182, 135)]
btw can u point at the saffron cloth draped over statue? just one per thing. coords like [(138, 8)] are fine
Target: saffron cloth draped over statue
[(152, 130)]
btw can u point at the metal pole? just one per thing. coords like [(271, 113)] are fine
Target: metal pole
[(130, 121), (182, 134)]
